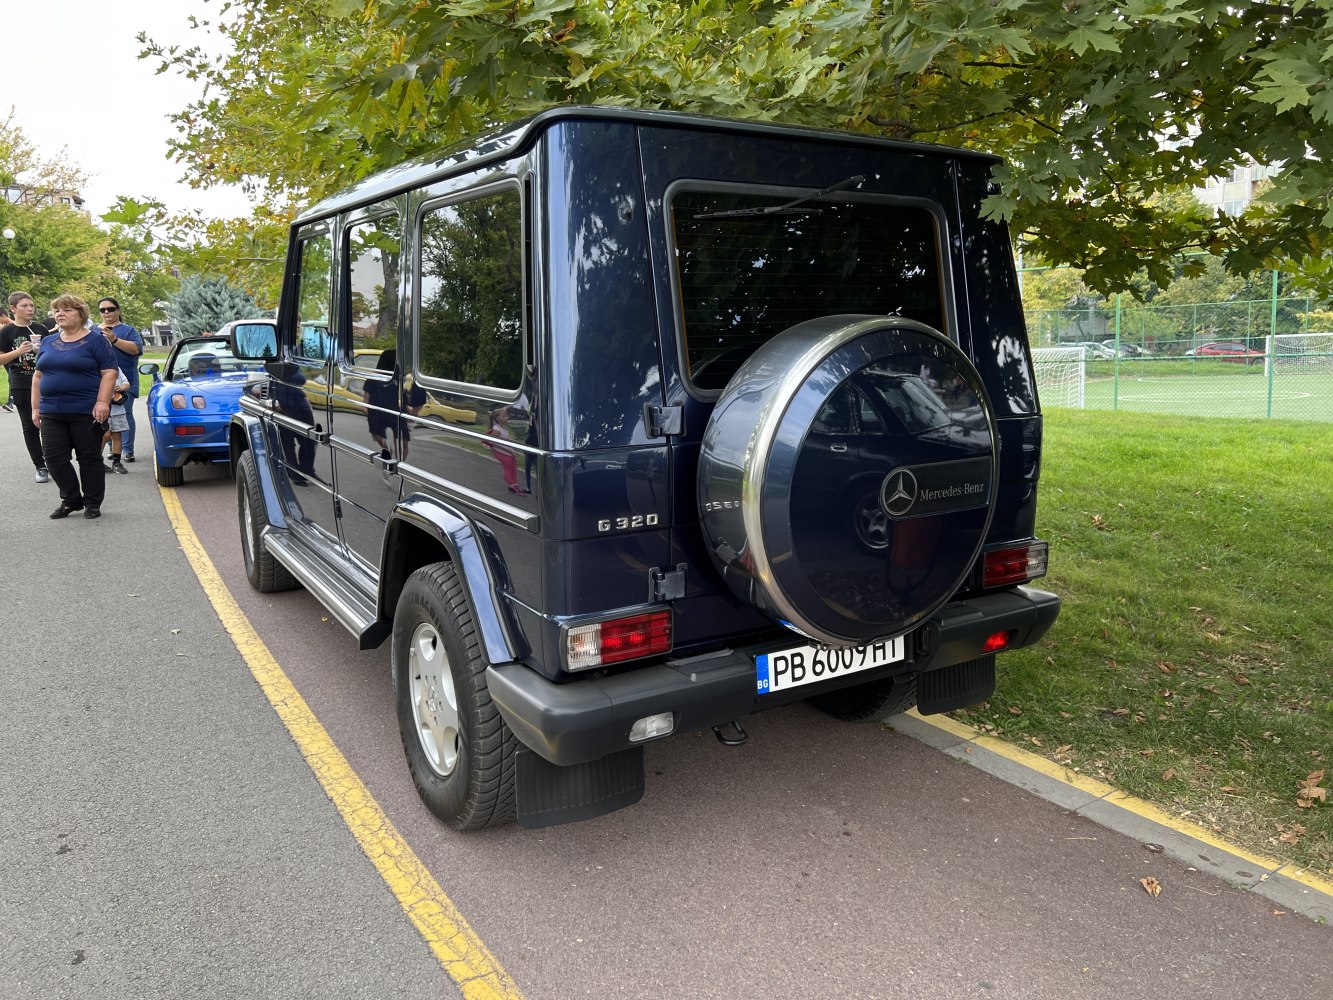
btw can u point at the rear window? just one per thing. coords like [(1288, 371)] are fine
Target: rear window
[(745, 275)]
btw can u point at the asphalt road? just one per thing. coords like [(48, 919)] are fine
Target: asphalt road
[(161, 836)]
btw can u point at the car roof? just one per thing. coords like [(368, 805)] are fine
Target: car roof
[(509, 140)]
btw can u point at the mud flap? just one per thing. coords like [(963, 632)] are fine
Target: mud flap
[(955, 687), (549, 794)]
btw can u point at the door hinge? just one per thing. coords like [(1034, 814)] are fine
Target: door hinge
[(666, 585), (664, 421)]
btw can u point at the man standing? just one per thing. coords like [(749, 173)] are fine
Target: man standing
[(128, 345), (18, 353)]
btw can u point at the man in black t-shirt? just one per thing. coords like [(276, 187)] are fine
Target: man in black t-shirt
[(18, 353)]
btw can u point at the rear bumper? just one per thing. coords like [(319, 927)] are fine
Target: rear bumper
[(590, 717)]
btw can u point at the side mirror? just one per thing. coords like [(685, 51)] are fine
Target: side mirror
[(149, 368), (255, 340)]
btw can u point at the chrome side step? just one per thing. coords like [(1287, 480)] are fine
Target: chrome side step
[(350, 605)]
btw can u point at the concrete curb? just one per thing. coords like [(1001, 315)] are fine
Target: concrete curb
[(1294, 889)]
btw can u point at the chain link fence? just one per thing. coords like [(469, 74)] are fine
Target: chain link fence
[(1258, 358)]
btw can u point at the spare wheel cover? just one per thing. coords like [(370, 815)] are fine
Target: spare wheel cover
[(847, 476)]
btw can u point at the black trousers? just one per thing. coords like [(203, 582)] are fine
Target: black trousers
[(21, 391), (79, 433)]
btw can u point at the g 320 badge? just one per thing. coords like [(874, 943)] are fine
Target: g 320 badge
[(628, 523)]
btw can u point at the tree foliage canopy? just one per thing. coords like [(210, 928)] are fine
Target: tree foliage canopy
[(1099, 108), (57, 249)]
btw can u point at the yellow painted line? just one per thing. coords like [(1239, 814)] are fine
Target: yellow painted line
[(1124, 800), (460, 951)]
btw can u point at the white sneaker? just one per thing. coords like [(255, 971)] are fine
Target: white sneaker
[(42, 476)]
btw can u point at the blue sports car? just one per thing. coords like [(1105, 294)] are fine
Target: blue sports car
[(191, 403)]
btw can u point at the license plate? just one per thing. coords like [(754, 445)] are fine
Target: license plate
[(789, 668)]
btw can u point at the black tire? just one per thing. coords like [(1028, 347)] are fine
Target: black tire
[(264, 572), (459, 750), (167, 475), (870, 701)]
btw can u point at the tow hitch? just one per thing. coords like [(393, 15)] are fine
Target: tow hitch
[(740, 738)]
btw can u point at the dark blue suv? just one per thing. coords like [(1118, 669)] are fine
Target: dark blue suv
[(620, 423)]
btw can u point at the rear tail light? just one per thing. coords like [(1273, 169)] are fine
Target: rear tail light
[(188, 430), (618, 640), (1014, 565), (998, 641)]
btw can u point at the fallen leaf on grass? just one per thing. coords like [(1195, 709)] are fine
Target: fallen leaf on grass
[(1098, 523), (1168, 774), (1151, 886), (1146, 753), (1310, 792), (1292, 834), (1121, 712), (1166, 666), (1015, 710), (1241, 679)]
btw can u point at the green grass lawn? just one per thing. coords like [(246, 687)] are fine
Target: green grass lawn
[(1192, 663), (1215, 389)]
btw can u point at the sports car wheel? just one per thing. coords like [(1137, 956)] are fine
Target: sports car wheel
[(172, 475), (459, 750), (264, 572)]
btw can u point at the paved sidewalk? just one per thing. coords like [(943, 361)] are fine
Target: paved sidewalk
[(160, 834), (1290, 887)]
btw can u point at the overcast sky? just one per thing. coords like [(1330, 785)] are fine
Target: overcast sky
[(73, 76)]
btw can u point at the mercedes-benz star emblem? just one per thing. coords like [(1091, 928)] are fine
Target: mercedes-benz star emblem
[(898, 494)]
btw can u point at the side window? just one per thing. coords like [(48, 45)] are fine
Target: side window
[(314, 297), (470, 306), (374, 252)]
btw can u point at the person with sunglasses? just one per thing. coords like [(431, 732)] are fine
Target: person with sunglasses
[(128, 345)]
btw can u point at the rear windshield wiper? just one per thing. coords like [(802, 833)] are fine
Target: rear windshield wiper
[(787, 208)]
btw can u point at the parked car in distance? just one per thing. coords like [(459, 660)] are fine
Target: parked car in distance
[(1093, 351), (191, 402), (1226, 350), (1127, 350)]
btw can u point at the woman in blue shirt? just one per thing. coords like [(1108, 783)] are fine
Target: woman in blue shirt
[(71, 400)]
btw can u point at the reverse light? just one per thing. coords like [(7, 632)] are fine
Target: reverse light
[(618, 640), (652, 726), (1016, 565)]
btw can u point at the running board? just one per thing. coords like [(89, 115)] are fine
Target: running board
[(549, 794), (347, 603)]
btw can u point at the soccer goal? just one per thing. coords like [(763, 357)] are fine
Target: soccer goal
[(1061, 376), (1303, 353)]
